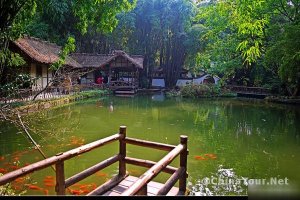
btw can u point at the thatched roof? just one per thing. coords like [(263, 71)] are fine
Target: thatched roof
[(100, 60), (42, 51)]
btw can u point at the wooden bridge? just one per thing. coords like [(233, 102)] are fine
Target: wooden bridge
[(123, 184), (254, 92), (123, 87)]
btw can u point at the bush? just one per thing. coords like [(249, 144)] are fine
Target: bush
[(203, 90)]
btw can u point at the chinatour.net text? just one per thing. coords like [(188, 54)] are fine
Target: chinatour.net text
[(245, 181)]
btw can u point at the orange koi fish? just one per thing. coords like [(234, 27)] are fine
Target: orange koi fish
[(34, 187), (200, 158), (76, 192), (85, 191), (211, 155), (19, 180), (2, 170), (101, 174), (78, 184), (83, 186), (2, 158), (14, 167), (46, 192), (49, 184)]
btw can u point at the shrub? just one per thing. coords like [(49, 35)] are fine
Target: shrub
[(203, 90)]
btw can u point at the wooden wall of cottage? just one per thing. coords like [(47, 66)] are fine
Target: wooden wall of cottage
[(42, 72)]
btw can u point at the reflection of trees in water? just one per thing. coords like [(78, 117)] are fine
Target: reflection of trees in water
[(54, 124)]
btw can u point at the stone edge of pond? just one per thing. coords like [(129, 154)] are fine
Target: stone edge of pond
[(38, 105)]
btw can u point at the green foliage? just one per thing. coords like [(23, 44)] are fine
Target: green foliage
[(202, 90), (100, 14), (7, 190), (243, 36), (92, 93), (11, 88), (205, 90), (10, 59), (67, 49)]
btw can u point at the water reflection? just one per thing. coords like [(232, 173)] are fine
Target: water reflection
[(158, 97)]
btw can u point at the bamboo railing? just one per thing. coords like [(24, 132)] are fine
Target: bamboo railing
[(138, 188)]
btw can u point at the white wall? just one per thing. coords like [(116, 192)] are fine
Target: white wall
[(196, 81), (46, 75), (183, 82), (158, 82)]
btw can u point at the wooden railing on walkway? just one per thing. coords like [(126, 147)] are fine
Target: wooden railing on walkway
[(114, 85), (138, 188)]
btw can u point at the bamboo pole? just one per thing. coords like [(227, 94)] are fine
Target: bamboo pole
[(148, 163), (183, 163), (80, 176), (60, 178), (171, 181), (122, 149), (155, 145)]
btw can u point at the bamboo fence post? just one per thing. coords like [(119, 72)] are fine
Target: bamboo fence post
[(183, 164), (122, 148), (60, 178)]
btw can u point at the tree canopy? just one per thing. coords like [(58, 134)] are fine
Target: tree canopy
[(245, 42)]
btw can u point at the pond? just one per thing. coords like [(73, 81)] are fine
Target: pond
[(249, 138)]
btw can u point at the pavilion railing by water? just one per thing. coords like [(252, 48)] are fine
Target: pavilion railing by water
[(123, 184)]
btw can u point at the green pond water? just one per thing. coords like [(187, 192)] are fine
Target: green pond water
[(254, 139)]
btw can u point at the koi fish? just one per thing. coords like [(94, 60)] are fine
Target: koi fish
[(34, 187), (78, 184), (2, 170), (211, 155), (85, 191), (19, 180), (83, 186), (49, 184), (46, 192), (76, 192), (101, 174), (2, 158), (200, 158), (14, 167)]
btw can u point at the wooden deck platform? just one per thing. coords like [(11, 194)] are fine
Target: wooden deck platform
[(152, 188)]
